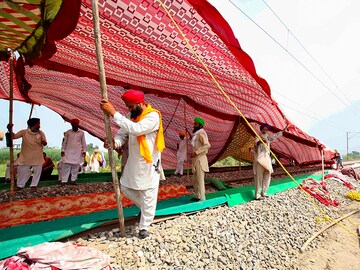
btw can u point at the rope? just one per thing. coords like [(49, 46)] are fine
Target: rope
[(172, 117), (325, 217)]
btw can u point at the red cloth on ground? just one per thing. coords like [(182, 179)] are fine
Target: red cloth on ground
[(350, 172), (319, 191), (340, 179)]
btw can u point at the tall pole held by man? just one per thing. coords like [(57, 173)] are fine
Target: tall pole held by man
[(10, 126), (102, 78)]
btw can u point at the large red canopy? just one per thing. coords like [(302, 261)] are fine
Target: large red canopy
[(143, 50)]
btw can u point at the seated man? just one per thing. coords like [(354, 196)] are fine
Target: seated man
[(47, 168)]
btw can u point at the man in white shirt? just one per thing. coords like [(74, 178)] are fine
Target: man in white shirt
[(73, 151), (180, 153), (142, 127), (262, 161), (31, 155)]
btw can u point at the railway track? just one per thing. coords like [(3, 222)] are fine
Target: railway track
[(240, 181)]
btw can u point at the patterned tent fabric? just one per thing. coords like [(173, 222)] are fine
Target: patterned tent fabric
[(17, 22), (23, 25), (143, 50)]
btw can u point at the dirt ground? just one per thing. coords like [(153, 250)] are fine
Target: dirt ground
[(338, 249)]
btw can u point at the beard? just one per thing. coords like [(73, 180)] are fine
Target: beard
[(34, 129), (196, 129), (136, 112)]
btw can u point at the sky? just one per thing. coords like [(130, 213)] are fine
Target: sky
[(51, 123), (321, 97)]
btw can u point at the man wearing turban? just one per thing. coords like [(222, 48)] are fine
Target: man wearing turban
[(96, 161), (262, 161), (73, 151), (201, 145), (180, 153), (142, 127), (31, 155)]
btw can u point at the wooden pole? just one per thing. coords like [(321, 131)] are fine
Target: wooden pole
[(100, 61), (322, 164), (302, 249), (187, 144), (11, 109), (31, 111)]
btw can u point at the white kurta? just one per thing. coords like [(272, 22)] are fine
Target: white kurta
[(262, 164), (180, 157), (94, 162), (181, 152), (31, 147), (73, 145), (138, 174), (262, 154)]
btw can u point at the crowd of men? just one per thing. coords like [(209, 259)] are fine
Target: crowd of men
[(141, 137)]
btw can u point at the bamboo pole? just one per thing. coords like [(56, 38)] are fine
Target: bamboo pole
[(322, 164), (100, 62), (10, 126), (302, 249), (187, 144), (31, 111)]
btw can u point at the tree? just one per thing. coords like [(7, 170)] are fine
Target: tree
[(90, 147)]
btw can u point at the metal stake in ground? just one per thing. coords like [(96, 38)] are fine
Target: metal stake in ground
[(102, 79)]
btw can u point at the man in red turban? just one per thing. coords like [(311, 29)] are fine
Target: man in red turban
[(73, 150), (133, 97), (143, 130), (74, 121)]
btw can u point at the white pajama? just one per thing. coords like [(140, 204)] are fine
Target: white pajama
[(262, 164), (262, 180), (198, 181), (180, 167), (68, 168), (24, 174), (146, 200), (181, 156)]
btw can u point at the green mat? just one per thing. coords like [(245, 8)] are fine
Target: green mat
[(218, 184), (13, 238)]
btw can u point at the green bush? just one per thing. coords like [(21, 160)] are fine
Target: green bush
[(53, 153)]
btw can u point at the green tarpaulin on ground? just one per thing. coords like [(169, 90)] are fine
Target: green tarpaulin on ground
[(13, 238)]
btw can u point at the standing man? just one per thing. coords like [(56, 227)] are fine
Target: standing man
[(201, 145), (144, 131), (338, 159), (262, 161), (31, 155), (181, 153), (95, 161), (85, 164), (73, 151)]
